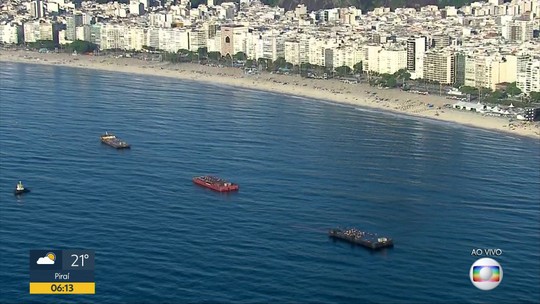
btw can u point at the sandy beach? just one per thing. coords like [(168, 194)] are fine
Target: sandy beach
[(361, 95)]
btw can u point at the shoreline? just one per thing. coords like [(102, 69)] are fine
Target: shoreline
[(358, 95)]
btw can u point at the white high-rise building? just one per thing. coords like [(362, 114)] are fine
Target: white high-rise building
[(52, 7), (316, 51), (38, 30), (528, 73), (300, 10), (72, 22), (137, 38), (214, 44), (160, 19), (486, 71), (82, 33), (136, 7), (251, 44), (31, 31), (86, 18), (385, 61), (518, 30), (416, 50), (173, 39), (114, 36), (37, 9), (392, 60), (371, 53), (9, 33), (292, 52), (344, 56), (95, 34), (348, 15), (304, 48), (451, 11), (273, 45), (152, 37), (198, 39)]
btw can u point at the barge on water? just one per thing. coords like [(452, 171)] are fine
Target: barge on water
[(358, 237), (113, 141), (215, 183)]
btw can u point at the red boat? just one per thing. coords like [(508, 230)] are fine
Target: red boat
[(215, 183)]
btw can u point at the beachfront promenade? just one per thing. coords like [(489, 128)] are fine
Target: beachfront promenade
[(361, 95)]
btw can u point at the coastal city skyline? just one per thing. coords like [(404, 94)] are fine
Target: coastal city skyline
[(481, 45)]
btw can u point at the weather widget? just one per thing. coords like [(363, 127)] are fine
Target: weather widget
[(68, 271)]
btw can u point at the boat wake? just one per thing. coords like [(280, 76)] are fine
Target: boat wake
[(310, 229)]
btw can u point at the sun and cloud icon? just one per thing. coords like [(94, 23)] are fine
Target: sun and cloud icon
[(48, 259)]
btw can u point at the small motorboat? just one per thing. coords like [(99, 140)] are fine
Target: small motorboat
[(20, 189)]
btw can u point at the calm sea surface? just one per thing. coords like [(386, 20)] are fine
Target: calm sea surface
[(303, 166)]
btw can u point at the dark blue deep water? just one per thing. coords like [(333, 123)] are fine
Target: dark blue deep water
[(303, 166)]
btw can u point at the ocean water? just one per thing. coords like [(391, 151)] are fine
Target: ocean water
[(303, 166)]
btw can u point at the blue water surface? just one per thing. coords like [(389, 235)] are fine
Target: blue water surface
[(303, 166)]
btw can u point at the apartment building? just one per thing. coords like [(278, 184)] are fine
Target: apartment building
[(82, 33), (72, 22), (299, 41), (416, 50), (518, 30), (440, 41), (118, 36), (9, 33), (349, 15), (273, 44), (300, 11), (152, 37), (296, 50), (440, 66), (138, 38), (385, 60), (40, 30), (213, 43), (136, 8), (292, 52), (95, 34), (253, 44), (160, 19), (174, 39), (113, 36), (392, 60), (198, 39), (343, 56), (305, 42), (37, 9), (316, 53), (528, 73), (486, 71), (48, 31)]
